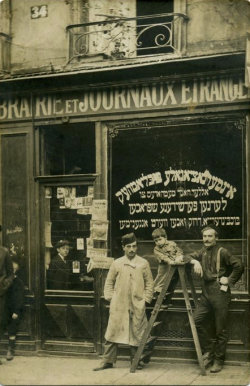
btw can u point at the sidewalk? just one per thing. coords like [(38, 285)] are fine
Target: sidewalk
[(78, 371)]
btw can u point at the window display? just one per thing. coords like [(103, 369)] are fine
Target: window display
[(67, 231)]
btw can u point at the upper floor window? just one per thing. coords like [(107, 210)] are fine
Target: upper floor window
[(154, 33), (125, 30)]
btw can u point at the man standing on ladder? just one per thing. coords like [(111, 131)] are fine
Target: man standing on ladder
[(128, 287), (220, 270)]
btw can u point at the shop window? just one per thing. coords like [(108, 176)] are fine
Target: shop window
[(67, 150), (179, 178), (67, 215)]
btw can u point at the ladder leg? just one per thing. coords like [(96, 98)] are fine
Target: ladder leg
[(191, 320), (191, 283), (152, 319)]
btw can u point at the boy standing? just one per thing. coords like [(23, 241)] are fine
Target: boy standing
[(167, 253)]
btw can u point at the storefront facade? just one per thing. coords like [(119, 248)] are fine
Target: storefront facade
[(92, 162)]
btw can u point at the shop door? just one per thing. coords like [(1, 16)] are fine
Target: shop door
[(68, 309)]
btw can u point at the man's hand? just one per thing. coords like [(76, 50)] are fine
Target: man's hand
[(14, 316), (224, 280), (197, 267)]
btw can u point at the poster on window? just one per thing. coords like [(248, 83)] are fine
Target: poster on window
[(189, 180)]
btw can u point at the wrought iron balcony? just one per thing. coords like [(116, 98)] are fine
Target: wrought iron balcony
[(124, 38)]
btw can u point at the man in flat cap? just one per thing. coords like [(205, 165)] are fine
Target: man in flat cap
[(128, 287), (220, 270), (6, 279), (58, 276)]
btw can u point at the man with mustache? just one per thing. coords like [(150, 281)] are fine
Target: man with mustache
[(220, 270), (128, 287)]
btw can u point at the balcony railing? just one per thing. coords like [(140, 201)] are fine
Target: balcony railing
[(123, 38)]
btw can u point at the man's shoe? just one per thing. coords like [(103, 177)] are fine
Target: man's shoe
[(10, 355), (216, 368), (103, 366), (139, 366)]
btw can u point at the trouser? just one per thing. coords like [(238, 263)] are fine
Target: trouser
[(2, 315), (213, 305), (163, 272), (12, 324), (110, 352)]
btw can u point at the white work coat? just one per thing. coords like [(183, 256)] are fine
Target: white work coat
[(128, 285)]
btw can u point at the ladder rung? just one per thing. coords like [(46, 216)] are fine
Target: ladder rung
[(156, 324), (146, 354), (151, 338)]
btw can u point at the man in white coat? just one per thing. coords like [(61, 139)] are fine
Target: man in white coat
[(128, 287)]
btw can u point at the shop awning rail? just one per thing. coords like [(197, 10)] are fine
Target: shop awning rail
[(119, 38)]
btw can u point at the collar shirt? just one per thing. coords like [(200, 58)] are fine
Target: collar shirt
[(230, 266), (169, 250), (63, 258)]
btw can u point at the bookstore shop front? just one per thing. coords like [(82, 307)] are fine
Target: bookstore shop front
[(80, 168)]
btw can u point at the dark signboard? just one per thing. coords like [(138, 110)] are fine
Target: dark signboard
[(179, 177)]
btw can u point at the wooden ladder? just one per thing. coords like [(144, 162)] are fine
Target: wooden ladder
[(148, 341)]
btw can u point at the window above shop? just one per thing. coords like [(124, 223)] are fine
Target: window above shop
[(123, 31), (66, 151)]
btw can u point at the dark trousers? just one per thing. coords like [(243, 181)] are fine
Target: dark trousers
[(2, 315), (110, 352), (213, 305)]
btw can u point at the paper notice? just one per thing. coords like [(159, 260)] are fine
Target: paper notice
[(76, 266), (96, 253), (100, 204), (80, 244), (48, 192), (60, 193), (85, 210), (48, 226), (102, 263), (91, 191), (99, 234), (99, 224)]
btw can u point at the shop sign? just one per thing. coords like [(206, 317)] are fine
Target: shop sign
[(164, 95), (160, 207)]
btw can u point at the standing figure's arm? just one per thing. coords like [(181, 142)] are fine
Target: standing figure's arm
[(110, 282)]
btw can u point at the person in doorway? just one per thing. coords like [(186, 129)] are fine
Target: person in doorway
[(14, 307), (128, 287), (6, 278), (59, 269), (220, 270), (167, 253)]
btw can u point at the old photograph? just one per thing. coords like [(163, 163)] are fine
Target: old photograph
[(124, 192)]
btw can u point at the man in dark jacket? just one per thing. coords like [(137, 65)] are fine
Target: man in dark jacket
[(14, 307), (6, 278), (59, 269), (220, 270)]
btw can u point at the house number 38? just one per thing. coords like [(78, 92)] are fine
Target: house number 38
[(37, 12)]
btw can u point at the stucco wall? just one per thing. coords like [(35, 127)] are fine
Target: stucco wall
[(214, 26), (217, 26), (38, 42)]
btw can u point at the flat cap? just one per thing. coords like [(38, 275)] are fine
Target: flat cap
[(129, 238), (61, 243), (210, 226)]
